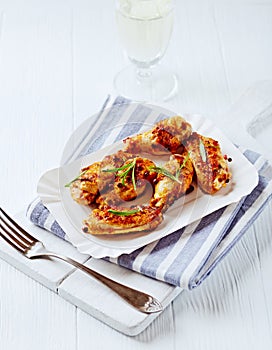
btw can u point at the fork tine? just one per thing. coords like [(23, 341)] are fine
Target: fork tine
[(12, 229), (26, 236), (8, 239)]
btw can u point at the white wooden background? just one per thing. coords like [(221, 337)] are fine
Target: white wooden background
[(57, 63)]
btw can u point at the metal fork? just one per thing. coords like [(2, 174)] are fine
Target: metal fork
[(32, 248)]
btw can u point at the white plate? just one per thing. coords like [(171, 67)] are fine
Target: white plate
[(184, 211)]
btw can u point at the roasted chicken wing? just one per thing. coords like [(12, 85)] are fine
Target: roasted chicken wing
[(94, 179), (166, 136), (173, 181), (210, 166), (109, 220), (84, 189)]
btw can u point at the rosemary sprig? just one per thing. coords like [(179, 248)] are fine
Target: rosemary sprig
[(182, 165), (127, 167), (161, 170), (76, 178), (133, 175), (114, 170), (202, 151), (124, 213)]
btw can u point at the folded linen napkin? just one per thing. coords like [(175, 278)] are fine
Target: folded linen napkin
[(186, 257)]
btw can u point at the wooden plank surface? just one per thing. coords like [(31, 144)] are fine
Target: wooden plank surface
[(57, 62)]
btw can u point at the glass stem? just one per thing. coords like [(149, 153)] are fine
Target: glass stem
[(143, 75)]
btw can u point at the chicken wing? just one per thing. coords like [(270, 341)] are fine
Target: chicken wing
[(173, 181), (166, 136), (84, 189), (107, 220), (94, 179), (210, 166)]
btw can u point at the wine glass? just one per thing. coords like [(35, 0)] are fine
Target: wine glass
[(145, 28)]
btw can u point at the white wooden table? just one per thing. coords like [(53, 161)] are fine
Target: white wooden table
[(57, 63)]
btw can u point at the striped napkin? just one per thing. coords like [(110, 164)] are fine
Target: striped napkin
[(186, 257)]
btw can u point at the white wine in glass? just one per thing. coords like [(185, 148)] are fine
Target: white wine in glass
[(145, 28)]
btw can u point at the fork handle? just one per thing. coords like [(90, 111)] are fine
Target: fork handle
[(140, 300)]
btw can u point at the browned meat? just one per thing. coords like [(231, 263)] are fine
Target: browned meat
[(109, 220), (134, 184), (84, 189), (169, 188), (166, 136), (95, 180), (210, 166)]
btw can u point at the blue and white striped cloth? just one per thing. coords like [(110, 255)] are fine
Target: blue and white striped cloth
[(186, 257)]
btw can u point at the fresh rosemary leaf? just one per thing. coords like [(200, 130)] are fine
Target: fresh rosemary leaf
[(131, 166), (161, 170), (123, 213), (202, 151), (127, 167), (182, 165), (133, 178), (114, 170), (185, 160), (70, 183), (125, 173)]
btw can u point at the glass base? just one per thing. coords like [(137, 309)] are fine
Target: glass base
[(154, 84)]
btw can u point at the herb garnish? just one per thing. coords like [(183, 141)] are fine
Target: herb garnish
[(202, 151), (124, 213), (161, 170), (114, 170), (182, 165), (127, 167), (70, 183)]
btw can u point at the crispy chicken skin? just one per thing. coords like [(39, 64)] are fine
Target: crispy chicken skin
[(210, 166), (166, 136), (168, 190), (101, 221)]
